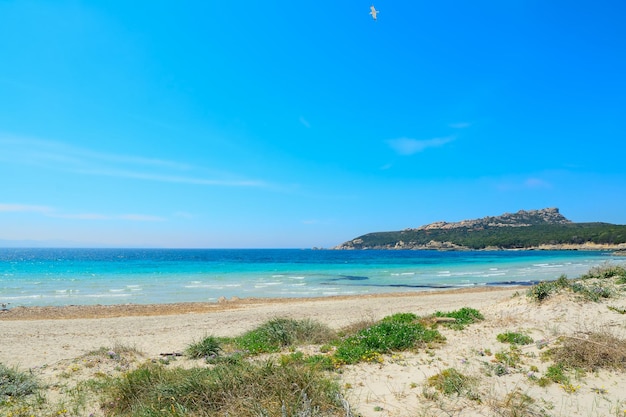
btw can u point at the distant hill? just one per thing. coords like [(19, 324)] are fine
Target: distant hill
[(545, 229)]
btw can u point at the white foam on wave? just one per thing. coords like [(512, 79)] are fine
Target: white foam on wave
[(267, 284), (487, 275), (212, 286), (23, 297), (541, 266), (116, 295)]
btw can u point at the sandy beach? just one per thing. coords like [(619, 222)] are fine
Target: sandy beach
[(49, 339), (36, 336)]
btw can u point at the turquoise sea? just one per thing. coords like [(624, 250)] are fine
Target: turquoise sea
[(46, 277)]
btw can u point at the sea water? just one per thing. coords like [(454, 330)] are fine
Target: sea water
[(47, 277)]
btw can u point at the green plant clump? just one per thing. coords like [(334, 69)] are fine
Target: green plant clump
[(541, 291), (510, 358), (592, 292), (607, 271), (205, 348), (450, 381), (556, 373), (16, 384), (462, 317), (390, 334), (244, 389), (514, 338), (279, 333)]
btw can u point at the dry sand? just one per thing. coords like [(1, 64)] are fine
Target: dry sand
[(49, 340)]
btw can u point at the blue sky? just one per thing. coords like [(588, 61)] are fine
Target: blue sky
[(298, 124)]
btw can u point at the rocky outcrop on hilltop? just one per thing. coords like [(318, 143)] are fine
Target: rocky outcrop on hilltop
[(522, 218)]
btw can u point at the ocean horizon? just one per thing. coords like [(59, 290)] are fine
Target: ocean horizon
[(60, 276)]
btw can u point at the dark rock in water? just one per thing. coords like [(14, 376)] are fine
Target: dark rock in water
[(350, 278)]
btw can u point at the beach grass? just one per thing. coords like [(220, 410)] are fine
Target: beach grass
[(462, 317), (291, 387), (398, 332), (600, 282), (514, 338), (20, 392)]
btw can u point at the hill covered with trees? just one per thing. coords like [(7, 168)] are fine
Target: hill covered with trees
[(545, 228)]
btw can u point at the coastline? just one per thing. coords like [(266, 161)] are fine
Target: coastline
[(37, 336), (57, 345), (138, 310)]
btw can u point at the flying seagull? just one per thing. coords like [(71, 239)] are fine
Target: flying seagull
[(373, 12)]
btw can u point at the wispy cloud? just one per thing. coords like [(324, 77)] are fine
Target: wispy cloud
[(460, 125), (64, 157), (408, 146), (48, 211), (517, 184), (536, 183), (24, 208), (305, 122)]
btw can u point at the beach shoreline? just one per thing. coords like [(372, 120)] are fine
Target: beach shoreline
[(235, 303), (36, 336)]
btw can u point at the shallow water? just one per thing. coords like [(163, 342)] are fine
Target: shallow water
[(44, 277)]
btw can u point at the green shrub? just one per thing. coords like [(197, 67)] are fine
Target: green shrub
[(594, 292), (562, 282), (541, 291), (514, 338), (244, 389), (16, 384), (450, 381), (384, 337), (606, 271), (556, 373), (281, 332), (205, 348), (462, 317), (400, 318)]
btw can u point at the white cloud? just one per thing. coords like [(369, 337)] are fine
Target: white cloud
[(460, 125), (63, 157), (53, 213), (408, 146), (79, 216), (5, 207)]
